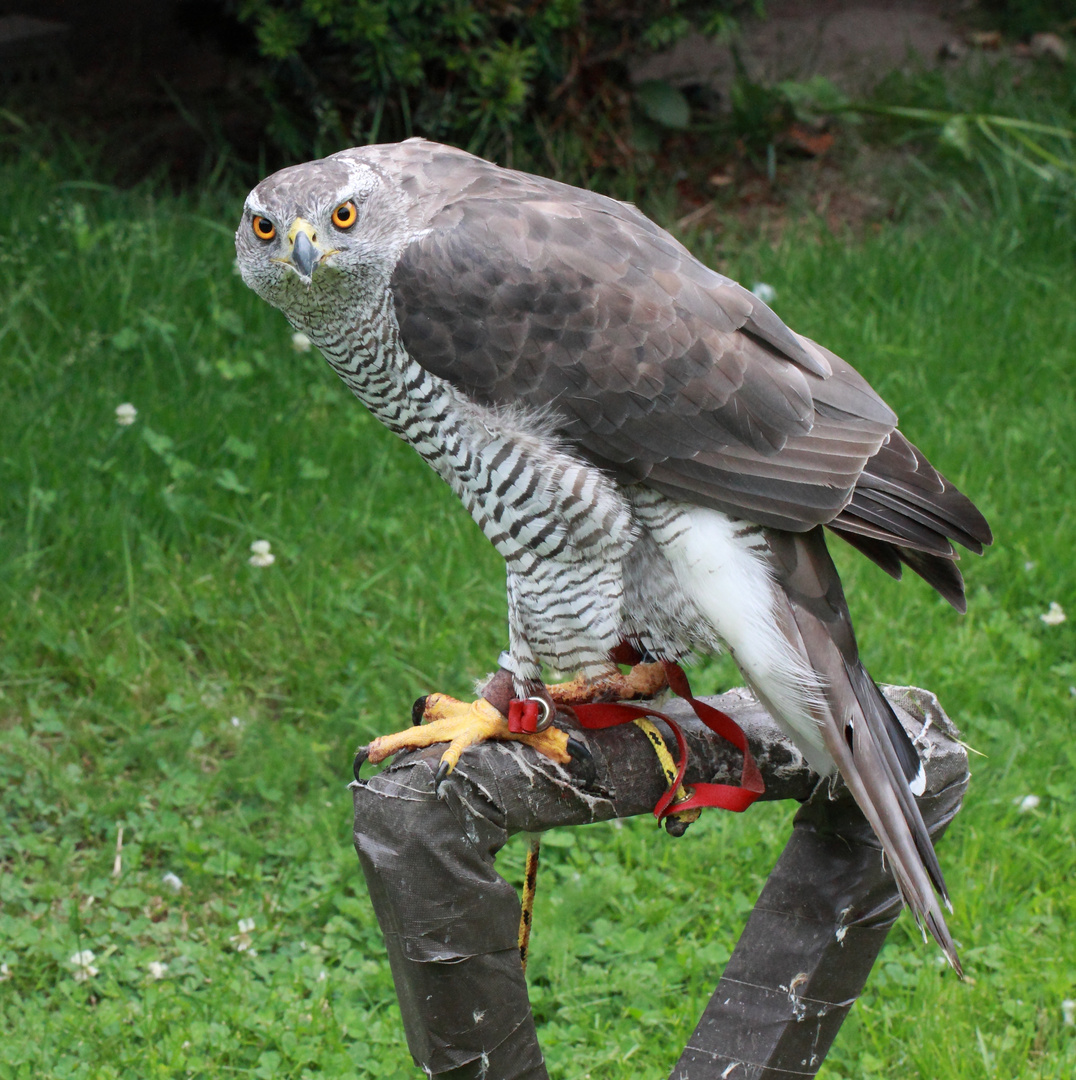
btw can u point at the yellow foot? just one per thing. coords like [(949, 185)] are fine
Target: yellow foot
[(462, 724)]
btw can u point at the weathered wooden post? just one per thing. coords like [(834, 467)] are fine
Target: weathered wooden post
[(450, 921)]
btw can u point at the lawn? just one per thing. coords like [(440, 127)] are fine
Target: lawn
[(178, 724)]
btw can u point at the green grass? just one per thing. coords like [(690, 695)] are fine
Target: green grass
[(151, 679)]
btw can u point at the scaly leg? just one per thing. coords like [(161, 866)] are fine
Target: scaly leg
[(643, 681)]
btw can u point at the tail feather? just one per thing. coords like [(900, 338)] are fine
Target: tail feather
[(908, 760), (882, 794), (894, 748), (861, 732)]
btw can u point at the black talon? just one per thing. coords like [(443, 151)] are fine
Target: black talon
[(418, 710), (442, 775), (360, 760), (582, 756)]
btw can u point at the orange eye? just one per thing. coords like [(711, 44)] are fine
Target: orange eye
[(263, 228), (345, 215)]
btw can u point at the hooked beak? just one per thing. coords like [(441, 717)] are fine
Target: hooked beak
[(305, 253)]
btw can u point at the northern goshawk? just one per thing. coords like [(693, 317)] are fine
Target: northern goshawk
[(652, 451)]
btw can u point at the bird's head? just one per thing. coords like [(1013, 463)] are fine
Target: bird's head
[(325, 233)]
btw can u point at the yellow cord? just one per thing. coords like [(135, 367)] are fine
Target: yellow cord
[(668, 767), (530, 883), (530, 873)]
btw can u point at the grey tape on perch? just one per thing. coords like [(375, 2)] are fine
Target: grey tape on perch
[(450, 921)]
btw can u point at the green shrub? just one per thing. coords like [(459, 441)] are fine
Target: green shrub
[(540, 82)]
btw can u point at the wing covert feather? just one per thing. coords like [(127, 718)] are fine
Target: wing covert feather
[(655, 366)]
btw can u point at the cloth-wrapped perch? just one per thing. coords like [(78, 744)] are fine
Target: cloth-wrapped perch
[(450, 922)]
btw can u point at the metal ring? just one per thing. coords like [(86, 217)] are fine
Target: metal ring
[(545, 713)]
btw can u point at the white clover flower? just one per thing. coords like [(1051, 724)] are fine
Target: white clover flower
[(172, 882), (157, 970), (236, 722), (243, 941), (1055, 616), (261, 555), (83, 964), (300, 342), (1068, 1012), (766, 293), (1028, 803), (126, 414), (5, 973)]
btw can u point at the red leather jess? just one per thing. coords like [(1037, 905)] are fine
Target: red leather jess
[(523, 716)]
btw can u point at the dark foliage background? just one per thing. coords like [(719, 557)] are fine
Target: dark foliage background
[(1020, 18), (505, 80), (188, 91)]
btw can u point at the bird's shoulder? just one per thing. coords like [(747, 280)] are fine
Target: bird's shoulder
[(522, 290), (518, 248)]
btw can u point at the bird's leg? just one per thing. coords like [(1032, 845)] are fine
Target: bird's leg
[(443, 719), (642, 681)]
